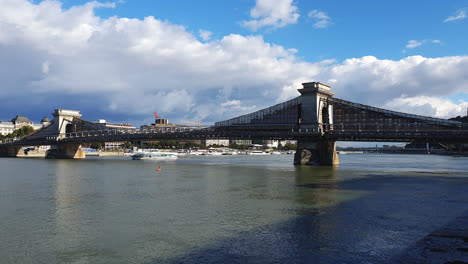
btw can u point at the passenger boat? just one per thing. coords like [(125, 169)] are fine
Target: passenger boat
[(154, 156)]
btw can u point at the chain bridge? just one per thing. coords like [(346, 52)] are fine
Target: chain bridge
[(315, 119)]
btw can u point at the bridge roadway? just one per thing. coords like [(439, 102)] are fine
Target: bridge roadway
[(337, 132)]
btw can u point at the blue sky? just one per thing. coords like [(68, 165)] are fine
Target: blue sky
[(212, 60), (358, 28)]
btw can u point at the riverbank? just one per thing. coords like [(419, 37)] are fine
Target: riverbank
[(105, 154), (42, 153)]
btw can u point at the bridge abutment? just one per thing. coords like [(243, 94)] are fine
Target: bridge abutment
[(9, 151), (66, 151), (316, 153)]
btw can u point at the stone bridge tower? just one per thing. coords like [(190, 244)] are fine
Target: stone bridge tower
[(316, 117), (63, 120)]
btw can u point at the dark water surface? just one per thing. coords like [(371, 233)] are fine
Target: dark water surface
[(228, 209)]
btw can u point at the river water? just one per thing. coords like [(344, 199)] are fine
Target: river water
[(226, 209)]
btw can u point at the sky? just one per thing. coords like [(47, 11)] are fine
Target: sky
[(211, 60)]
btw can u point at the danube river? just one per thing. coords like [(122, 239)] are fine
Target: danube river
[(234, 209)]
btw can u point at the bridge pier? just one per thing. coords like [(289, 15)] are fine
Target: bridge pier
[(9, 151), (316, 118), (65, 151), (318, 153)]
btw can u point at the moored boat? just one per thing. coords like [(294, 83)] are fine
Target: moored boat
[(154, 156), (257, 152)]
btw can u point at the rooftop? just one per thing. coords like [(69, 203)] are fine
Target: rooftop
[(21, 119)]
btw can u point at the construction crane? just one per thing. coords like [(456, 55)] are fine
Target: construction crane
[(158, 120), (193, 123)]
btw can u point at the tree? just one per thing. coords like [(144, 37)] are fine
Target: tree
[(127, 145), (289, 146), (20, 132), (193, 145), (96, 146)]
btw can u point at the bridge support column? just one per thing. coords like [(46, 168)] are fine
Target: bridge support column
[(9, 151), (66, 151), (319, 153)]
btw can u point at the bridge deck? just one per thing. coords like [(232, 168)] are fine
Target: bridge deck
[(352, 122)]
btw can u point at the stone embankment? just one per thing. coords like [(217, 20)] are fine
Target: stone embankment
[(39, 153), (105, 153), (42, 153)]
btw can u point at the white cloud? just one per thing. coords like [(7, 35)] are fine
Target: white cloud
[(322, 20), (417, 43), (237, 105), (413, 44), (133, 66), (69, 58), (377, 82), (45, 67), (205, 35), (428, 106), (460, 14), (272, 13)]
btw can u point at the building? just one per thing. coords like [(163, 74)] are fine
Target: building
[(244, 142), (7, 127), (219, 142), (287, 142), (266, 143), (161, 122), (105, 124), (114, 125)]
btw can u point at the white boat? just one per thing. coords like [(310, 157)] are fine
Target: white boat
[(213, 153), (196, 153), (183, 153), (257, 152), (275, 153), (230, 153), (154, 156)]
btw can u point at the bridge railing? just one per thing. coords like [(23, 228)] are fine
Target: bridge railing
[(8, 140), (391, 127), (116, 132)]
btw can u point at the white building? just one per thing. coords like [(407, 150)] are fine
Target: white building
[(7, 127), (219, 142)]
